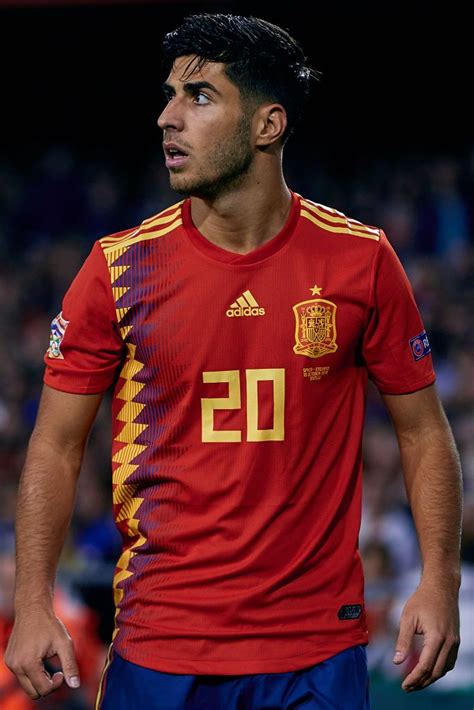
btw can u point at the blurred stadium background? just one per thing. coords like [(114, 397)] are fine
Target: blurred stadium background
[(387, 140)]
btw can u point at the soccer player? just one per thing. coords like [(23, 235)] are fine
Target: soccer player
[(238, 329)]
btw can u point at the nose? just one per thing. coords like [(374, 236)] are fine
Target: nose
[(171, 116)]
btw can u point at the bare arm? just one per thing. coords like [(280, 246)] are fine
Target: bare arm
[(45, 504), (434, 487)]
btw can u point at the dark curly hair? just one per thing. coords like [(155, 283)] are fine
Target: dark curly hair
[(260, 58)]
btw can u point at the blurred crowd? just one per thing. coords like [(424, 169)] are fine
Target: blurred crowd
[(52, 210)]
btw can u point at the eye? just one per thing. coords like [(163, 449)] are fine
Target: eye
[(201, 99)]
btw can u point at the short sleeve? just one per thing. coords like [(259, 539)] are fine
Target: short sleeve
[(395, 345), (85, 342)]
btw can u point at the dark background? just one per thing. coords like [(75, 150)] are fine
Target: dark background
[(396, 78)]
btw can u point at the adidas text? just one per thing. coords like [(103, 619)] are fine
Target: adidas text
[(238, 312)]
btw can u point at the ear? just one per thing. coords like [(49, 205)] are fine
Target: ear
[(271, 122)]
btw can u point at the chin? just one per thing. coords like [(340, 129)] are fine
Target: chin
[(188, 188)]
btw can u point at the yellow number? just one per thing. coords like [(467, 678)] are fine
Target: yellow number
[(277, 376), (208, 404), (253, 376)]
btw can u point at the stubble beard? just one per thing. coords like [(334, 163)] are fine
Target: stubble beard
[(227, 165)]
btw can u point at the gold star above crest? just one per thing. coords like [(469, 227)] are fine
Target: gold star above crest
[(316, 290)]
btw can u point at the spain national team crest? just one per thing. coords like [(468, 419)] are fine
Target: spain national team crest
[(58, 328), (315, 332)]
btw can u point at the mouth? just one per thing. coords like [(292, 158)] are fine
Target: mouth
[(174, 155)]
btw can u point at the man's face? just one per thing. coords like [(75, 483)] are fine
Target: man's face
[(204, 121)]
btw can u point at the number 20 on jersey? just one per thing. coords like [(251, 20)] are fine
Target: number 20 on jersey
[(233, 401)]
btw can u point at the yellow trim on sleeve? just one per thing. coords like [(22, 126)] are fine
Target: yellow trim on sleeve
[(338, 230), (144, 236), (355, 227)]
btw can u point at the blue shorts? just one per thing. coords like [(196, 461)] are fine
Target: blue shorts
[(339, 683)]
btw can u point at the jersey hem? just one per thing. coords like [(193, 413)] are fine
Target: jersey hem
[(406, 388), (197, 666), (73, 388)]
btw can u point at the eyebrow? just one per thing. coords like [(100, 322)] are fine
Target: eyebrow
[(190, 87)]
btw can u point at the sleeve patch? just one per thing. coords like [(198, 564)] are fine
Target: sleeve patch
[(58, 328), (420, 346)]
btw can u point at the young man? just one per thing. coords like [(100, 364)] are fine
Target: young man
[(238, 328)]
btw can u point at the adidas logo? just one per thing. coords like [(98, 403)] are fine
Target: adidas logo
[(245, 305)]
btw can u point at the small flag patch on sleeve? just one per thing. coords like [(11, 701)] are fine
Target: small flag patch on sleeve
[(420, 346), (58, 328)]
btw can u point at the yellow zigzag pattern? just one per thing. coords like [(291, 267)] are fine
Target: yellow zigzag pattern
[(123, 492)]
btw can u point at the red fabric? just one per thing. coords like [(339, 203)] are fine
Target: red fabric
[(237, 438), (392, 320), (91, 346)]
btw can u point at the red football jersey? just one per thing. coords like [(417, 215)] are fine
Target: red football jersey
[(238, 409)]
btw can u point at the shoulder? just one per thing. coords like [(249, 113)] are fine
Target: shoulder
[(336, 223), (152, 227)]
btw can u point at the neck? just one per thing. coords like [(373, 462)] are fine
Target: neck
[(246, 217)]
